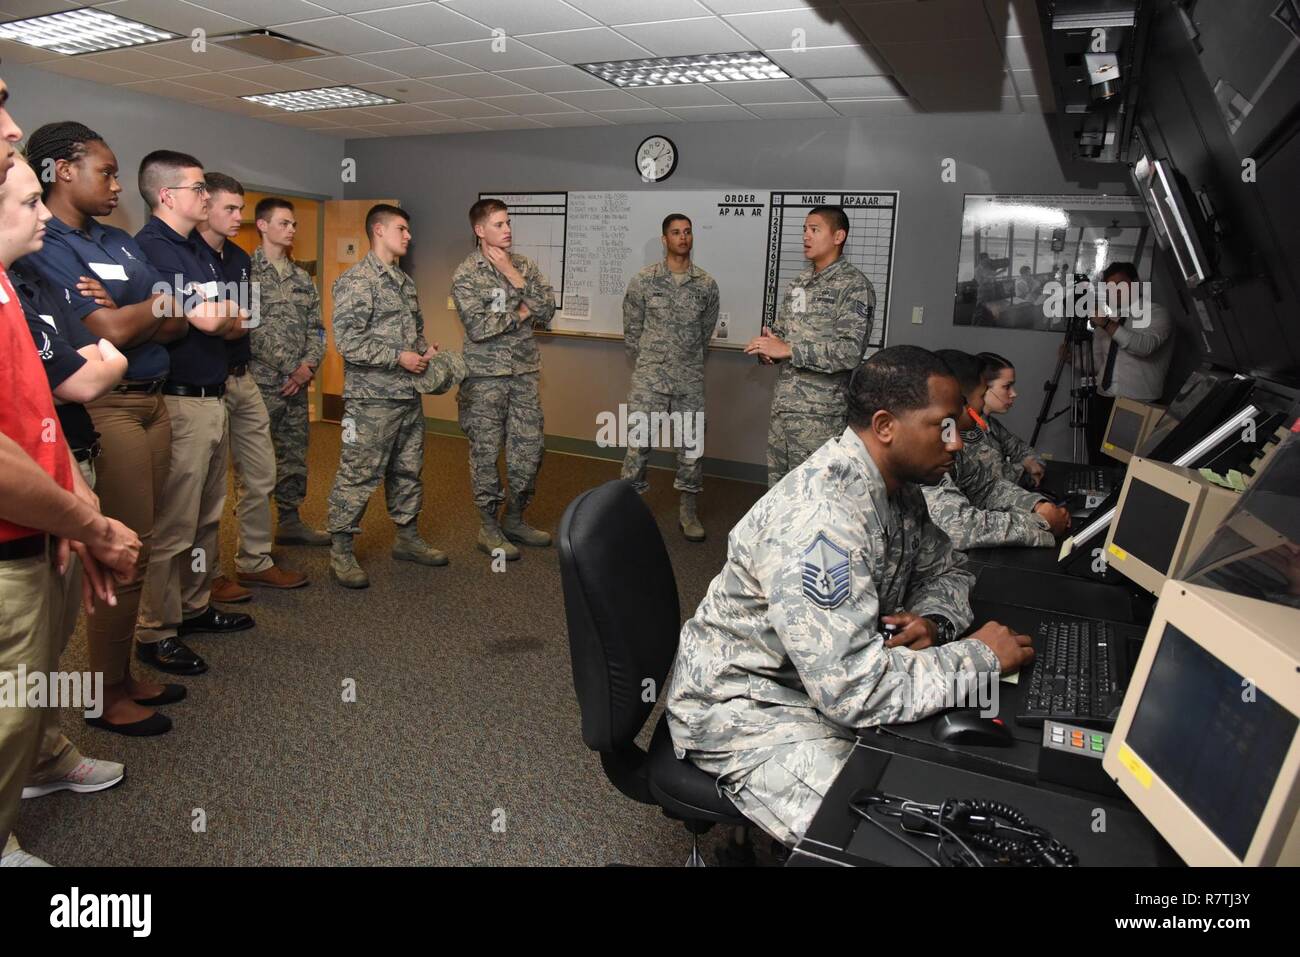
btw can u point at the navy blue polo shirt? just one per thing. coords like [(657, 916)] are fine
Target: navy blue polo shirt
[(199, 358), (237, 267), (110, 255), (58, 336)]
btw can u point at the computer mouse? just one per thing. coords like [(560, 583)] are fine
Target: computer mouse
[(967, 727)]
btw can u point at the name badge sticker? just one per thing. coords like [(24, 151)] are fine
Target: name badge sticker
[(109, 271)]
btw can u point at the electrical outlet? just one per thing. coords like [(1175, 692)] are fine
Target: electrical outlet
[(918, 312), (722, 330)]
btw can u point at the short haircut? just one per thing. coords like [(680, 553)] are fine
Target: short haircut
[(672, 218), (895, 380), (159, 169), (965, 369), (834, 215), (992, 364), (52, 142), (480, 211), (268, 205), (221, 183), (1128, 269), (382, 212)]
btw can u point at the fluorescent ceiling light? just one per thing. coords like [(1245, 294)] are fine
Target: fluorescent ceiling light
[(324, 98), (701, 68), (82, 31)]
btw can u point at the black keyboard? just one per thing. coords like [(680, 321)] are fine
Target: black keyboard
[(1076, 677), (1084, 480)]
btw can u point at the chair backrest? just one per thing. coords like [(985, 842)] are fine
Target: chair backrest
[(620, 600)]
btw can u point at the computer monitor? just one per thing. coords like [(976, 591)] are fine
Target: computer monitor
[(1206, 742), (1210, 401), (1129, 421), (1199, 384), (1164, 516)]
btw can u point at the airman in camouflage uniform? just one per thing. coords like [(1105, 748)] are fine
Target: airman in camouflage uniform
[(668, 320), (978, 508), (823, 323), (379, 331), (789, 655), (500, 405), (288, 336), (785, 658), (1011, 449)]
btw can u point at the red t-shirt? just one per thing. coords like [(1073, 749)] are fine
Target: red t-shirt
[(26, 407)]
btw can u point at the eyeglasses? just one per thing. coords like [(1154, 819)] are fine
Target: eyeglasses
[(199, 188)]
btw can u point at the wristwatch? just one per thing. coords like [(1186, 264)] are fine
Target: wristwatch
[(945, 630)]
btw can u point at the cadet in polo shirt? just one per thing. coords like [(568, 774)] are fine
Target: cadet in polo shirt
[(248, 426), (178, 585), (132, 420)]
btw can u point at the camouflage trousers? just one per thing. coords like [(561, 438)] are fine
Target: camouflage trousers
[(779, 787), (502, 412), (383, 441), (646, 402), (289, 435), (793, 436)]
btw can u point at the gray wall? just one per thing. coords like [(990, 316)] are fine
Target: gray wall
[(133, 124), (438, 177)]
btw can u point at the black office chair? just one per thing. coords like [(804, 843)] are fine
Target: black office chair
[(620, 601)]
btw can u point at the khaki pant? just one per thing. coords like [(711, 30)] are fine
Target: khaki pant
[(136, 434), (248, 428), (28, 597), (56, 755), (184, 560)]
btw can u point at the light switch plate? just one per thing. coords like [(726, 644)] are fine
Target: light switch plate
[(918, 312)]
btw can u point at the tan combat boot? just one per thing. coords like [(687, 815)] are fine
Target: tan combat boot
[(490, 537), (689, 520), (343, 564), (517, 530), (410, 547), (292, 530)]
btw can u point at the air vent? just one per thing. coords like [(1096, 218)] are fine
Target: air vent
[(271, 46)]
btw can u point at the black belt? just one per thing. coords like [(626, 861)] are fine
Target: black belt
[(194, 391), (239, 370), (28, 547), (149, 387), (90, 454)]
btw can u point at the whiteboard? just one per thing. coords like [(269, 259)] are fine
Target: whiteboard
[(590, 243)]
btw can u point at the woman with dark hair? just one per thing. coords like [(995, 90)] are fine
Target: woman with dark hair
[(109, 287), (1018, 456)]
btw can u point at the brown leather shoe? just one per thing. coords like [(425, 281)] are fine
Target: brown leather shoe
[(274, 577), (229, 593)]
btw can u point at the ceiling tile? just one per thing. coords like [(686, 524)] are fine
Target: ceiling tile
[(570, 119), (360, 6), (95, 72), (1026, 53), (404, 112), (728, 7), (320, 118), (1010, 105), (416, 62), (343, 35), (684, 37), (145, 64), (171, 89), (426, 23), (1016, 18), (358, 116), (508, 123), (360, 133), (346, 69), (601, 100), (855, 87), (611, 12), (897, 106), (683, 94), (512, 54), (629, 117), (975, 60), (765, 91), (214, 58), (829, 61), (460, 109), (1025, 82), (906, 21), (778, 30), (176, 16), (233, 104), (339, 132), (711, 113), (526, 103), (517, 18), (281, 77), (790, 111), (445, 126), (1036, 104), (226, 85), (23, 9), (11, 52), (586, 46), (411, 91), (267, 12), (480, 84), (555, 79), (300, 120)]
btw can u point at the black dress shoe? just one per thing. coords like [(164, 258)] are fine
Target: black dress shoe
[(170, 695), (156, 723), (171, 655), (215, 622)]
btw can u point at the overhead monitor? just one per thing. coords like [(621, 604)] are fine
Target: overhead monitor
[(1206, 742)]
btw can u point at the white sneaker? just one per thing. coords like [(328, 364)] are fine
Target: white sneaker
[(15, 856), (88, 776)]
